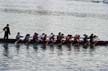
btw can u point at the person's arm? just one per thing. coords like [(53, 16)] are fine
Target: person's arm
[(4, 28), (21, 36)]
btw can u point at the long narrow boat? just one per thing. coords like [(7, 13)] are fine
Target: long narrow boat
[(104, 43)]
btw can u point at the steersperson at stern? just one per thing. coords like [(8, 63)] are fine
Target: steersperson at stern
[(6, 30)]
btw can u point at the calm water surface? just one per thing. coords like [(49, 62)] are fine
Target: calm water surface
[(67, 16), (52, 58)]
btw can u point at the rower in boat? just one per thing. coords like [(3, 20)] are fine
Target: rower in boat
[(27, 38), (35, 37), (59, 37), (68, 38), (62, 38), (77, 39), (92, 37), (51, 38), (85, 39), (43, 38), (18, 36)]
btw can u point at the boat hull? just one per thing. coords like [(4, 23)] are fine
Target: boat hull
[(40, 42)]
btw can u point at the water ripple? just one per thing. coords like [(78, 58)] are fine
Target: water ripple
[(26, 59), (54, 13)]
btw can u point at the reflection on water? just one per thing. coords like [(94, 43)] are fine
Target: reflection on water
[(92, 49), (27, 46), (53, 57), (43, 46), (6, 51), (18, 48), (35, 47), (68, 46)]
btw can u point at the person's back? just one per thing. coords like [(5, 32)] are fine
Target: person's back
[(27, 37), (42, 36), (67, 39), (85, 39), (18, 36), (35, 37), (45, 38), (91, 38), (59, 37), (75, 38), (51, 37)]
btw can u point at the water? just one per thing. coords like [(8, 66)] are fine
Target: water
[(52, 58), (67, 16)]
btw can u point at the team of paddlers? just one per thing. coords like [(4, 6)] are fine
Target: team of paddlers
[(60, 38), (52, 38)]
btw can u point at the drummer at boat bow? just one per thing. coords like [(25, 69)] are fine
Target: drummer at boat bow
[(6, 31)]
